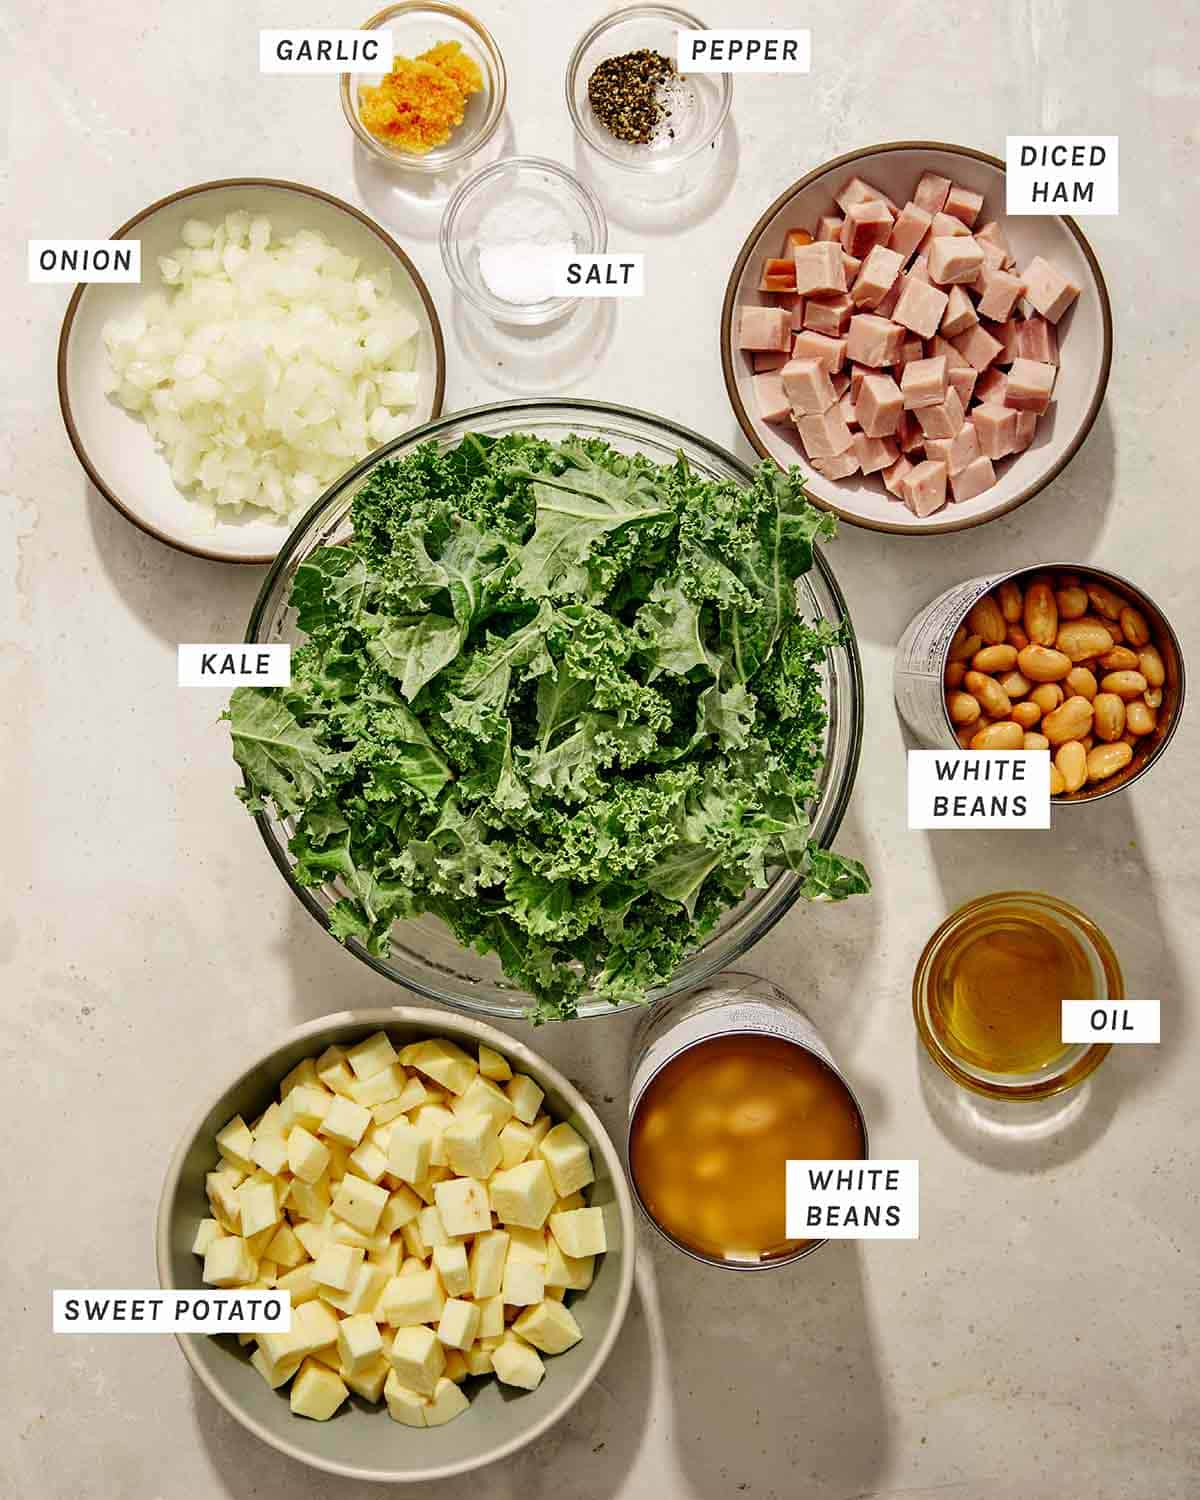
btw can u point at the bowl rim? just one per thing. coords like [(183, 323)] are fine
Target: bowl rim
[(68, 323), (433, 1021), (413, 162), (841, 799), (747, 425)]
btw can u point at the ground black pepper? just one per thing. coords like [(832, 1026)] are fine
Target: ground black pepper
[(624, 94)]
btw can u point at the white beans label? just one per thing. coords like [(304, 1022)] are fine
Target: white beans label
[(330, 50), (598, 275), (1110, 1021), (979, 789), (235, 666), (85, 260), (737, 50), (158, 1311), (1062, 174), (852, 1200)]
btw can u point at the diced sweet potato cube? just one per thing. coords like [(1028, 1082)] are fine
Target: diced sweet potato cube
[(830, 351), (819, 268), (996, 429), (932, 192), (874, 341), (924, 382), (878, 408), (1037, 339), (956, 452), (944, 420), (911, 226), (977, 347), (829, 227), (768, 359), (840, 466), (892, 477), (794, 238), (778, 275), (866, 225), (878, 275), (1050, 292), (773, 404), (874, 454), (964, 204), (954, 259), (824, 436), (959, 315), (923, 488), (974, 479), (1026, 426), (1000, 292), (920, 307), (1029, 385), (807, 386), (827, 314), (858, 191), (763, 328)]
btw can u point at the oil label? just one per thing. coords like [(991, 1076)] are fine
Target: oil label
[(978, 789), (85, 260), (237, 665), (1110, 1021), (329, 50), (157, 1311), (853, 1200), (598, 275), (734, 49), (1062, 174)]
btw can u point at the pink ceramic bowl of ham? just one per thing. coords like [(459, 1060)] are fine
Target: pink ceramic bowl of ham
[(1084, 333)]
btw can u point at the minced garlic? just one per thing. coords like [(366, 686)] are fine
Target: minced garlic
[(420, 102)]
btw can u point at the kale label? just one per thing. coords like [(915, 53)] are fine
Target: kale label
[(237, 665)]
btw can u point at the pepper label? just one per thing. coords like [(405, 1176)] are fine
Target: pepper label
[(735, 49)]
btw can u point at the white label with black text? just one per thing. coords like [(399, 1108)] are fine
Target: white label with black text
[(1062, 174), (979, 789), (237, 665), (1110, 1020), (328, 50), (599, 275), (852, 1200), (157, 1311), (85, 260), (734, 49)]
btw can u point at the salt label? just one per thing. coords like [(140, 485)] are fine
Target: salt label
[(237, 665), (735, 49), (1062, 174), (978, 789), (852, 1200), (122, 1311), (85, 260), (1110, 1021), (328, 50), (599, 275)]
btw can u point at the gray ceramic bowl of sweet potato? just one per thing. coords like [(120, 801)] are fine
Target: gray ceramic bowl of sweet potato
[(361, 1441)]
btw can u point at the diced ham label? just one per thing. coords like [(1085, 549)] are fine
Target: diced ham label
[(1052, 174)]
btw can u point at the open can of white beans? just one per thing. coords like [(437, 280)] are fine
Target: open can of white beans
[(923, 655)]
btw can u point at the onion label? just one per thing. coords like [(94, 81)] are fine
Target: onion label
[(1110, 1021), (329, 50), (245, 1310), (238, 665), (85, 260), (598, 275), (852, 1200), (1062, 174), (734, 49), (978, 789)]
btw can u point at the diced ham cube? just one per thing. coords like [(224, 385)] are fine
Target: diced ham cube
[(964, 204), (944, 420), (873, 340), (778, 276), (1006, 332), (892, 477), (962, 378), (1048, 289), (959, 315), (932, 192), (1026, 426), (826, 435), (956, 452), (920, 307), (768, 359), (1037, 339), (819, 268), (866, 225), (977, 347), (858, 191), (911, 349), (996, 428), (852, 266), (878, 407), (807, 385), (992, 234), (874, 453), (840, 466), (993, 256), (829, 227), (877, 277), (909, 434), (858, 373), (974, 479), (919, 270), (992, 385), (953, 259), (923, 488), (948, 226), (888, 306), (828, 315), (1000, 293), (795, 306), (840, 383), (830, 351), (848, 410), (909, 229), (924, 383), (773, 404), (763, 328), (954, 359), (1029, 385)]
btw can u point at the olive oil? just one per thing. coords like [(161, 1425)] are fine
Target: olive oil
[(996, 989), (712, 1133)]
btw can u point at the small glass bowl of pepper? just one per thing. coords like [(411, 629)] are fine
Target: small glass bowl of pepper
[(628, 102)]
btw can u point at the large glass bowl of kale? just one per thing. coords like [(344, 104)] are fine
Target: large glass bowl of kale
[(575, 709)]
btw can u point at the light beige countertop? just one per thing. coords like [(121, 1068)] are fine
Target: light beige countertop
[(1040, 1339)]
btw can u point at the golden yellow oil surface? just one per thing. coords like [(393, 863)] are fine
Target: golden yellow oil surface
[(996, 989), (714, 1129)]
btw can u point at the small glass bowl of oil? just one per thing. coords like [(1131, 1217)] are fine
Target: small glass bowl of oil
[(989, 987)]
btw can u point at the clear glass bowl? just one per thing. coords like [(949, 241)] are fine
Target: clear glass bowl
[(416, 27), (705, 97), (424, 955), (495, 188)]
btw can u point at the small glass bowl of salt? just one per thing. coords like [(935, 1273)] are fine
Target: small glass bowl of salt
[(507, 230)]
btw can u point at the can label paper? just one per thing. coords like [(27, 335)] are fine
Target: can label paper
[(920, 655), (157, 1311), (598, 275), (237, 665), (979, 789), (85, 260), (329, 49), (735, 49), (1110, 1021), (853, 1200), (1061, 174)]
